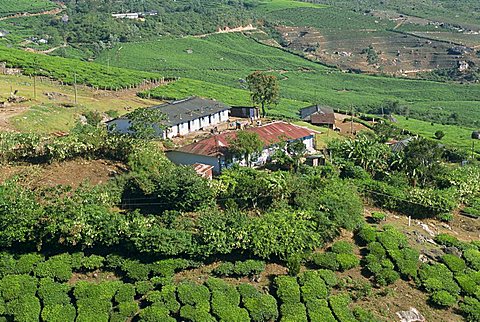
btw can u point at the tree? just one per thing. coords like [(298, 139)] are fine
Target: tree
[(145, 122), (421, 160), (264, 89), (439, 135), (296, 150), (245, 144)]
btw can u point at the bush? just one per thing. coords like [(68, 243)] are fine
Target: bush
[(472, 257), (318, 310), (378, 217), (16, 286), (261, 307), (470, 308), (288, 290), (469, 283), (447, 240), (294, 264), (143, 287), (114, 262), (92, 262), (443, 299), (166, 297), (454, 263), (367, 234), (342, 247), (195, 295), (126, 310), (329, 277), (190, 313), (59, 313), (438, 277), (312, 287), (58, 267), (52, 293), (225, 269), (386, 277), (26, 263), (24, 309), (340, 306), (363, 315), (293, 312), (135, 270), (249, 267), (347, 261), (155, 313), (168, 267), (125, 293), (406, 260), (326, 260), (376, 249)]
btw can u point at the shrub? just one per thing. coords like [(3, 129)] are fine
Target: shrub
[(76, 260), (470, 308), (125, 293), (328, 276), (340, 307), (143, 287), (342, 247), (59, 313), (25, 308), (52, 293), (443, 299), (386, 277), (224, 269), (312, 286), (363, 315), (376, 249), (469, 283), (16, 286), (472, 257), (166, 297), (378, 217), (261, 307), (26, 263), (367, 234), (197, 296), (135, 270), (318, 310), (193, 314), (114, 262), (454, 263), (126, 310), (7, 264), (249, 267), (447, 240), (326, 260), (92, 262), (347, 261), (288, 290), (438, 274), (391, 238), (406, 260), (168, 267), (155, 313), (293, 312), (58, 267)]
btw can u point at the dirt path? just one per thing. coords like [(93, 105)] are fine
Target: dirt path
[(228, 30), (6, 113), (43, 13)]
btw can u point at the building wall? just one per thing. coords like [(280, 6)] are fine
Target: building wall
[(195, 125), (215, 118), (183, 128), (182, 158), (224, 116), (204, 122)]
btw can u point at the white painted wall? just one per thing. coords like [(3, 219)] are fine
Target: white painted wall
[(183, 128), (224, 116), (182, 158), (215, 119), (195, 125), (204, 122)]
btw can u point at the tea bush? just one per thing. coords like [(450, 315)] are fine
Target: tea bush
[(340, 306), (288, 290), (443, 299), (312, 287), (59, 313), (261, 307), (454, 263), (293, 312)]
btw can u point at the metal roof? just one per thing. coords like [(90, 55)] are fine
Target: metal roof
[(270, 134), (188, 109), (307, 112)]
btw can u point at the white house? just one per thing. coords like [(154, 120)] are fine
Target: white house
[(183, 116), (214, 150)]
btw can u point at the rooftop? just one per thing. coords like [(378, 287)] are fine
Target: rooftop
[(307, 112), (270, 134)]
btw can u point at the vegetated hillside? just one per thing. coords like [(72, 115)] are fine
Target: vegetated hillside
[(12, 7), (159, 243), (70, 71), (228, 58)]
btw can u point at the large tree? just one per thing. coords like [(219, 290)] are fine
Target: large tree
[(264, 89), (146, 122), (245, 144)]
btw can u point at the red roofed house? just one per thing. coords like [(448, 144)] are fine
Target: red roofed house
[(214, 150)]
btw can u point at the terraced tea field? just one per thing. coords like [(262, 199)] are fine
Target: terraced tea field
[(12, 7)]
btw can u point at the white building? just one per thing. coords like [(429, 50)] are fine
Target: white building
[(214, 150), (183, 117)]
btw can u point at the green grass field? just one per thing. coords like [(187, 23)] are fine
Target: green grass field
[(11, 7), (455, 136), (227, 59), (266, 6)]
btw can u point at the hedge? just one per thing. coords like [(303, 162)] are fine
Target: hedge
[(125, 293), (195, 295), (443, 299), (261, 307), (190, 313), (52, 293), (25, 308), (329, 277), (58, 267), (293, 312), (155, 313), (347, 261), (367, 234), (472, 257), (340, 307), (342, 247), (27, 262), (15, 286), (59, 313), (318, 310), (470, 308), (438, 277), (326, 260), (166, 297), (249, 267), (288, 290), (312, 287), (454, 263)]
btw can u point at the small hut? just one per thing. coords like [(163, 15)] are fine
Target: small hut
[(476, 135)]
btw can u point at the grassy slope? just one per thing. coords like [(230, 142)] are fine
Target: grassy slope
[(10, 7), (224, 59), (456, 136)]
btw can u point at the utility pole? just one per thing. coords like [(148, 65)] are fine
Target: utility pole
[(351, 119)]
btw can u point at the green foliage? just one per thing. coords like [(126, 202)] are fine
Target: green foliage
[(261, 307), (52, 293), (340, 307), (469, 282), (26, 263), (245, 144), (155, 313), (378, 217), (443, 299), (225, 301), (249, 267), (92, 262), (58, 267), (25, 6), (347, 261), (24, 309), (195, 295), (135, 270), (288, 290), (146, 123), (470, 308), (318, 310), (16, 286), (363, 315), (94, 300), (143, 287), (312, 287), (166, 298), (342, 247), (59, 313), (454, 263), (329, 277), (438, 277), (472, 257), (367, 234), (125, 293), (326, 260), (264, 89), (293, 312)]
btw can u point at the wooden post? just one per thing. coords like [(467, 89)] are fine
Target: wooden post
[(409, 221), (75, 86), (34, 86)]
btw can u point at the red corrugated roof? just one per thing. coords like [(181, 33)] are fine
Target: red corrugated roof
[(270, 134)]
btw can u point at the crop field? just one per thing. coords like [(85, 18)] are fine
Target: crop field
[(455, 136), (267, 6), (66, 70), (11, 7), (227, 59)]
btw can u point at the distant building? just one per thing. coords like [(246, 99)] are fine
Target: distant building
[(3, 33), (249, 112), (318, 115), (183, 117), (398, 146), (214, 150), (133, 15)]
